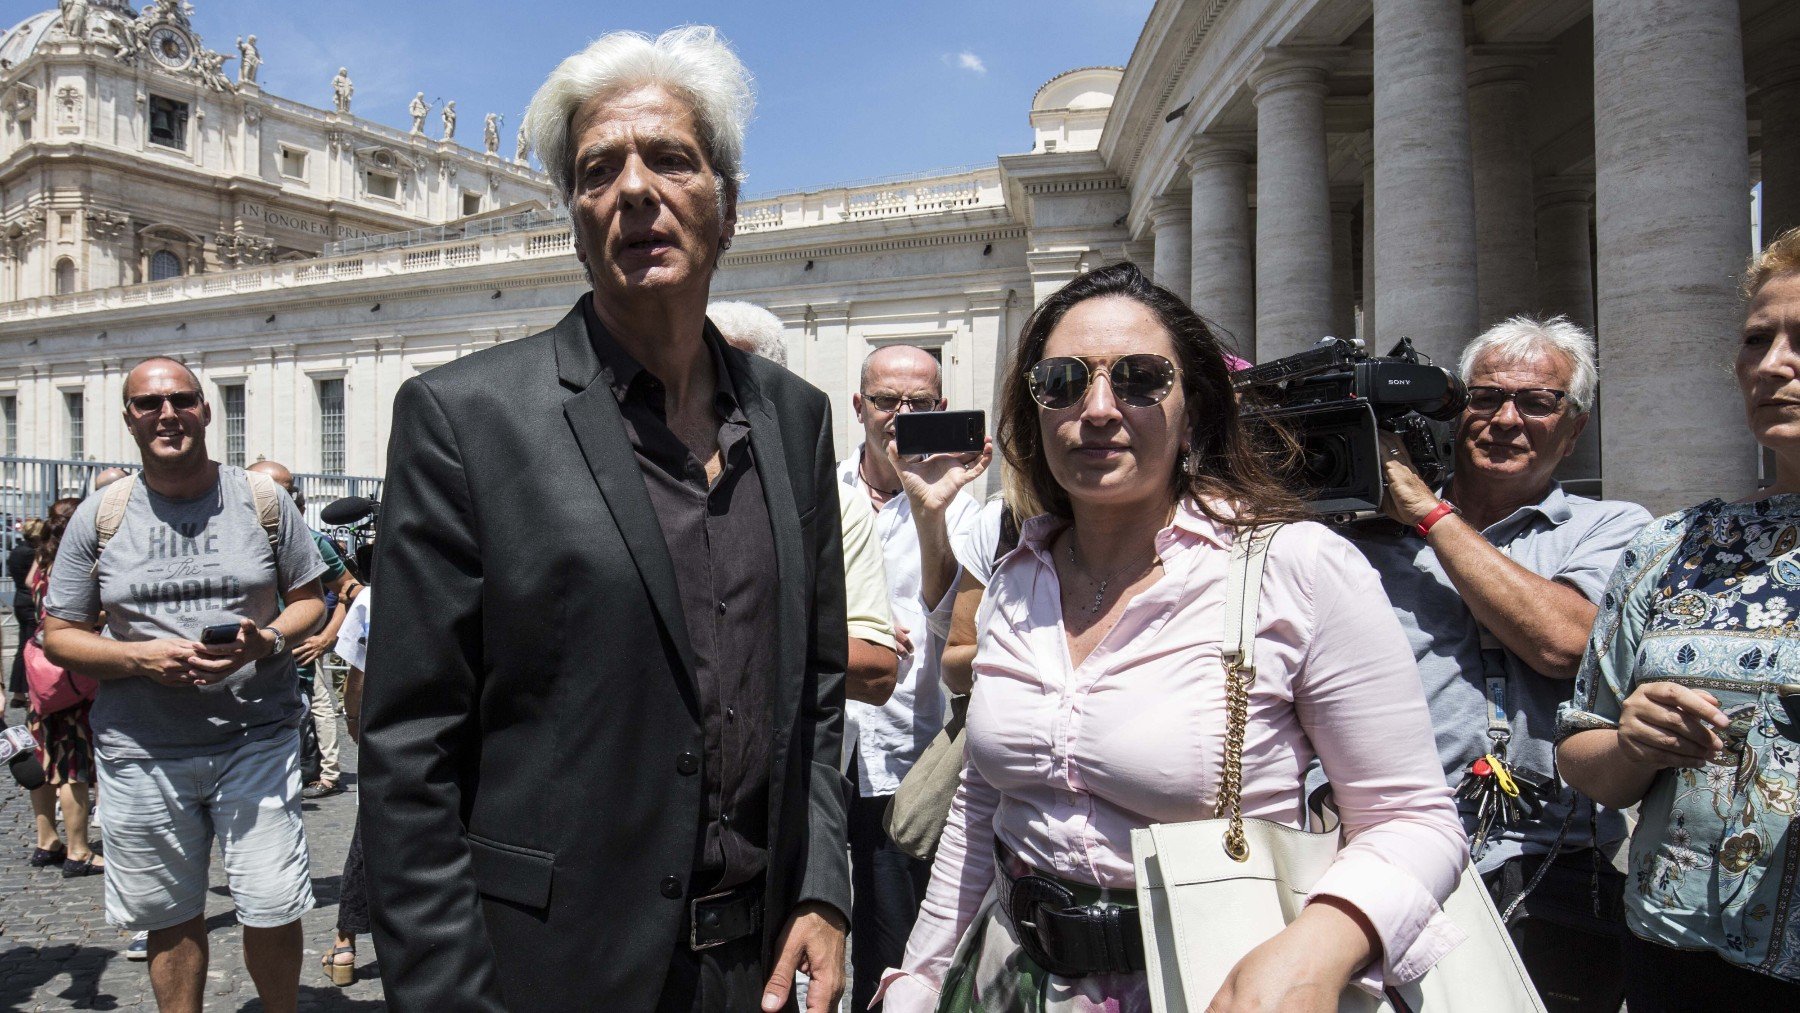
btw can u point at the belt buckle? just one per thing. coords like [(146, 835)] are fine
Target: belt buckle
[(694, 916)]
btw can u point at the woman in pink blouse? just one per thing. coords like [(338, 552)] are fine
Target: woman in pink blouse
[(1100, 697)]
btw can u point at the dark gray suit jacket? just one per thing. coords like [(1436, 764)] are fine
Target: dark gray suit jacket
[(525, 807)]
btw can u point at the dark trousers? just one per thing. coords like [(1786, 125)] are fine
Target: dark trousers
[(311, 760), (28, 624), (1664, 980), (353, 888), (1572, 944), (886, 887), (724, 979)]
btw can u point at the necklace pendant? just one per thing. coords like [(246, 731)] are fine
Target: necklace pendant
[(1099, 596)]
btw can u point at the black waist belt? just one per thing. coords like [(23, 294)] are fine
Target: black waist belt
[(1063, 935), (722, 918)]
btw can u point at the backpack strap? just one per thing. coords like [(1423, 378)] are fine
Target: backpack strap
[(267, 496), (113, 500)]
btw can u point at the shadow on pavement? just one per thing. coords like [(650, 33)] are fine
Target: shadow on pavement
[(25, 969), (313, 997)]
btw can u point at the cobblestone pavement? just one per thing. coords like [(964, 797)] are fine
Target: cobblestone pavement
[(58, 953)]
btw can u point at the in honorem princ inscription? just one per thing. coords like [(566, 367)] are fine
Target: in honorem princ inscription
[(298, 223)]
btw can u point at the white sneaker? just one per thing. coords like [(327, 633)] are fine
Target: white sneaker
[(139, 948)]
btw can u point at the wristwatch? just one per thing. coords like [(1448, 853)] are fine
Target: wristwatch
[(280, 641)]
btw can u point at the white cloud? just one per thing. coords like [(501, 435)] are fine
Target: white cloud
[(966, 60)]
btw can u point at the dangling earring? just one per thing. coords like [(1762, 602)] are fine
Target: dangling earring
[(1187, 463)]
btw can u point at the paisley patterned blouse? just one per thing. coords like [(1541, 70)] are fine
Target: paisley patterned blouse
[(1710, 598)]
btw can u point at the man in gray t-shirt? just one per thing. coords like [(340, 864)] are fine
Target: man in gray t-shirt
[(1497, 595), (193, 740)]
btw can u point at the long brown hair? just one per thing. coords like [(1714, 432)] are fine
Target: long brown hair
[(1226, 467), (56, 522)]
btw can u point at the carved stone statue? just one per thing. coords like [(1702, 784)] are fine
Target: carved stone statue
[(524, 147), (211, 67), (449, 115), (342, 89), (418, 108), (249, 60), (74, 18), (491, 133), (130, 36)]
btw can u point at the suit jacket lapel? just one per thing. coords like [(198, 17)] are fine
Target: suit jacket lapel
[(593, 414), (784, 519)]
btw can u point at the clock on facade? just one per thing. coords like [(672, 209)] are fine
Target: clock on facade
[(171, 47)]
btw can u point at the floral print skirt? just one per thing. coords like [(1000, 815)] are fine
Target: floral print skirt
[(991, 973), (65, 747)]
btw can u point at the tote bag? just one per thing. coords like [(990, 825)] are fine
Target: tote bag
[(1210, 891)]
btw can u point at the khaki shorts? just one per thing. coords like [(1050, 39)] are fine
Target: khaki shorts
[(160, 818)]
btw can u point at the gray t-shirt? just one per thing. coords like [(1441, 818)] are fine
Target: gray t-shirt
[(1566, 538), (173, 568)]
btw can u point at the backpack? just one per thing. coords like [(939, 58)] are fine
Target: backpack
[(113, 499)]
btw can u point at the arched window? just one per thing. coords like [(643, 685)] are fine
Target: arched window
[(65, 276), (164, 264)]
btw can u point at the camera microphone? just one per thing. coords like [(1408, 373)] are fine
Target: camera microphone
[(348, 510)]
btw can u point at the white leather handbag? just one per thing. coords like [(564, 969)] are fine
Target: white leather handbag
[(1210, 891)]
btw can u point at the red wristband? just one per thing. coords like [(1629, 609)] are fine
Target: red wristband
[(1444, 509)]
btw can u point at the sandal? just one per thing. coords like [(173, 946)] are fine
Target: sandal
[(340, 974), (41, 857)]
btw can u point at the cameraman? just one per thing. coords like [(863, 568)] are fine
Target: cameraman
[(1497, 594)]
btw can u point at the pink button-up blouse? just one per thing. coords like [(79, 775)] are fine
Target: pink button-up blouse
[(1064, 761)]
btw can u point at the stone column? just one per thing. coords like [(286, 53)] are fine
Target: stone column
[(1778, 99), (1223, 286), (1169, 223), (1343, 260), (1424, 194), (1293, 206), (1565, 248), (1500, 147), (1672, 172), (1365, 150)]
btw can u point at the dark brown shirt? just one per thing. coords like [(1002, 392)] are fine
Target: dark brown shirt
[(723, 550)]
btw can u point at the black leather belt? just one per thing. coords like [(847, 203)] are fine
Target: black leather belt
[(721, 918), (1061, 933)]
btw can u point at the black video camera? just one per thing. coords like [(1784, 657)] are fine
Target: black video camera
[(1333, 398)]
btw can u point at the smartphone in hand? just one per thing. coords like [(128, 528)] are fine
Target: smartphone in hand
[(917, 433), (219, 635)]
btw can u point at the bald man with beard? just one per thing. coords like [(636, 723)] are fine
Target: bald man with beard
[(193, 740)]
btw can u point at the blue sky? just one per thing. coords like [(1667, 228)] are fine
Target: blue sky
[(846, 90)]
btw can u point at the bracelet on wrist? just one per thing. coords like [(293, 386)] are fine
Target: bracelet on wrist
[(1444, 509)]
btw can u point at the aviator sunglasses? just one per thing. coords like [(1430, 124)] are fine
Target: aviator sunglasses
[(151, 404), (1533, 402), (1140, 380)]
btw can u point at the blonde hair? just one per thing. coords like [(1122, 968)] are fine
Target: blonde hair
[(1779, 257)]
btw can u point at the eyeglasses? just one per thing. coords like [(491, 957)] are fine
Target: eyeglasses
[(1533, 402), (892, 402), (1139, 380), (152, 404)]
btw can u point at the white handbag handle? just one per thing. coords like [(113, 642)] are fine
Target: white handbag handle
[(1243, 595)]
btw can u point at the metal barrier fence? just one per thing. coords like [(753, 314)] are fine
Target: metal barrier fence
[(28, 485)]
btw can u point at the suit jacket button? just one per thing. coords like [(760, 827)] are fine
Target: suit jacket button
[(687, 765), (671, 887)]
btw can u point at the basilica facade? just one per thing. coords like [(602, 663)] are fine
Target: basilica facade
[(1296, 168)]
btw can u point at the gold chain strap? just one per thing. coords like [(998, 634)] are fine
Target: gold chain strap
[(1231, 786)]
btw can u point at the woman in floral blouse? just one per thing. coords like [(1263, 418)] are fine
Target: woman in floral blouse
[(1688, 702)]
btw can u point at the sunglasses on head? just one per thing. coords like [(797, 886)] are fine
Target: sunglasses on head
[(1533, 402), (152, 404), (1139, 380)]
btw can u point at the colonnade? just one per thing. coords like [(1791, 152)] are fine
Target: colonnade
[(1459, 231)]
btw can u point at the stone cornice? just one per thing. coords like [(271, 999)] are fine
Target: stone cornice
[(852, 248)]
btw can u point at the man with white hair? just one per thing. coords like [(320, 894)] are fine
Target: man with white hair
[(599, 762), (1495, 578)]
